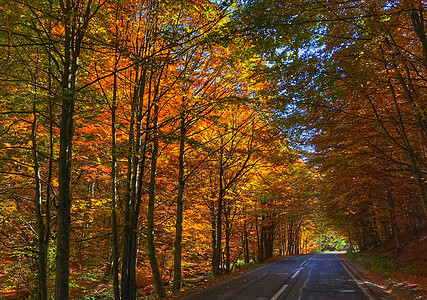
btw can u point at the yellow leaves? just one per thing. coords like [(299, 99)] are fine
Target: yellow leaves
[(385, 18), (55, 182), (198, 226), (87, 211)]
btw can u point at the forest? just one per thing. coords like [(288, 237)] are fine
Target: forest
[(148, 143)]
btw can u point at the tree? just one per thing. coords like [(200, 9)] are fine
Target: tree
[(355, 98), (163, 136), (67, 63), (76, 20)]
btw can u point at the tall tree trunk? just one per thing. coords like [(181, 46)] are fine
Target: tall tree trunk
[(245, 241), (267, 241), (73, 37), (137, 179), (115, 246), (259, 241), (38, 201), (150, 214), (49, 183), (213, 230), (44, 248), (227, 238), (179, 208), (64, 164), (127, 230), (216, 261), (64, 199), (128, 284)]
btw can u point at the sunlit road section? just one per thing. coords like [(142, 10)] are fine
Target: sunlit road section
[(307, 277)]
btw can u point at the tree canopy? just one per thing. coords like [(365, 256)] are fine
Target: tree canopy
[(144, 143)]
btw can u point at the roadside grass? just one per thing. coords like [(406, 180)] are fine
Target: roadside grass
[(381, 263), (242, 266), (405, 274)]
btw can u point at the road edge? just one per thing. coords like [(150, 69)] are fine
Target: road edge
[(386, 284), (397, 290), (357, 278)]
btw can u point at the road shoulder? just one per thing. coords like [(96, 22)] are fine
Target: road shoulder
[(395, 290)]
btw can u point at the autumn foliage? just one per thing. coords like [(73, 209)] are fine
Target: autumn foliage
[(137, 150), (145, 144), (349, 77)]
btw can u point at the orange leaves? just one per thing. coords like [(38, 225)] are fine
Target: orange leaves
[(154, 67)]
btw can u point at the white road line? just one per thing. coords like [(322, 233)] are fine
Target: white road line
[(296, 273), (279, 292), (307, 260), (361, 287)]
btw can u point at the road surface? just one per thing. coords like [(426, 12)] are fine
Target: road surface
[(307, 277)]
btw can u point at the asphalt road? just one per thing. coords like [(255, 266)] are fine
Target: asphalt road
[(306, 277)]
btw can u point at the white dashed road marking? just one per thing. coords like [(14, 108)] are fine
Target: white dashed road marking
[(279, 292), (296, 273)]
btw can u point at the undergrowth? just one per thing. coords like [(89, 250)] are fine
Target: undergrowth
[(375, 262)]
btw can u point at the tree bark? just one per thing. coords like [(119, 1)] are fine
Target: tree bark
[(73, 37), (41, 226), (150, 214), (227, 237), (127, 230), (115, 246), (179, 209), (213, 231), (216, 261), (128, 284), (246, 242), (64, 199)]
